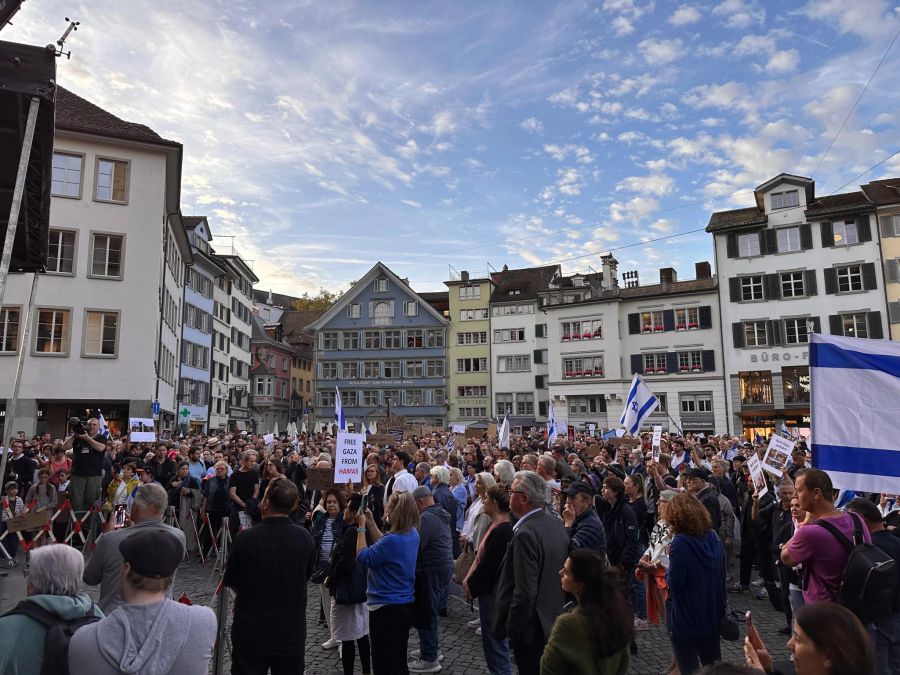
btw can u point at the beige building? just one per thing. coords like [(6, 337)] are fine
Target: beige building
[(885, 194)]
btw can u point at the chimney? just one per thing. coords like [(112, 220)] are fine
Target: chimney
[(464, 276), (609, 280), (667, 275), (704, 270), (506, 268)]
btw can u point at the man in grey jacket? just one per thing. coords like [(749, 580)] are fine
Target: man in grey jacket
[(528, 596), (105, 565), (149, 634)]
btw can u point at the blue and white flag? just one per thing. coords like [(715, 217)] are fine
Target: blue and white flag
[(609, 434), (638, 405), (551, 424), (339, 417), (104, 427), (451, 441), (855, 386), (504, 432)]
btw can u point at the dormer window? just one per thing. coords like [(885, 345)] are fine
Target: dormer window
[(784, 200), (381, 285)]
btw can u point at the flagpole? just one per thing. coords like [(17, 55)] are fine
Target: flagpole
[(680, 430)]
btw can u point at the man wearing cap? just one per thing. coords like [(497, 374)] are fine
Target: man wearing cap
[(149, 633), (583, 524), (105, 566), (697, 483)]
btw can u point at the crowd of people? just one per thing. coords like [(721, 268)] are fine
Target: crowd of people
[(568, 549)]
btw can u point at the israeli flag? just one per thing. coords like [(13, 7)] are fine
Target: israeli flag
[(339, 417), (609, 434), (638, 405), (855, 386), (504, 432), (551, 424), (104, 427), (450, 443)]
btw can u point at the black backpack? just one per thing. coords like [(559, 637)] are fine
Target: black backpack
[(58, 633), (869, 583)]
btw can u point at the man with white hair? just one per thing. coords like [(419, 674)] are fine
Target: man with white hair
[(105, 566), (54, 582)]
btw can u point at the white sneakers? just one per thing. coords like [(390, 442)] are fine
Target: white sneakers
[(474, 623), (331, 644), (419, 666), (416, 655)]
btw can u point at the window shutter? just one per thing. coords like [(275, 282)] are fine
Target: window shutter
[(668, 319), (542, 408), (637, 364), (836, 324), (772, 283), (537, 381), (671, 362), (830, 280), (806, 237), (708, 360), (773, 332), (734, 289), (120, 174), (537, 356), (863, 228), (827, 234), (391, 308), (769, 241), (894, 312), (634, 323), (809, 283), (892, 270), (705, 313), (869, 278), (539, 330), (817, 324), (887, 226), (876, 331), (737, 330), (371, 308), (731, 245)]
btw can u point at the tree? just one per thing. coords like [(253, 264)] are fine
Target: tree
[(322, 300)]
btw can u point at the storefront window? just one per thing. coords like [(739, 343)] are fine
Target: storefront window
[(796, 384), (756, 387), (756, 429)]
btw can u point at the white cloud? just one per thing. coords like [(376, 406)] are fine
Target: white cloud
[(867, 18), (569, 182), (684, 15), (560, 152), (634, 209), (739, 14), (622, 26), (716, 95), (783, 62), (410, 202), (409, 150), (567, 96), (532, 125), (443, 123), (658, 52), (657, 184)]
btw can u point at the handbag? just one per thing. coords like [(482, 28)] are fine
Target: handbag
[(351, 589), (463, 564)]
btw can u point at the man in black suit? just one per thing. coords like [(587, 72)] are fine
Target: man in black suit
[(269, 567), (529, 596)]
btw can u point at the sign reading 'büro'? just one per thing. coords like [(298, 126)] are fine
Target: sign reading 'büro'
[(349, 457)]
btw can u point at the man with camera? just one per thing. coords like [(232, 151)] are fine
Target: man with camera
[(88, 448)]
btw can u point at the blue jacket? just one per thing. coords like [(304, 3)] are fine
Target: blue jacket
[(391, 562), (447, 501), (587, 532), (696, 579), (318, 531), (434, 540)]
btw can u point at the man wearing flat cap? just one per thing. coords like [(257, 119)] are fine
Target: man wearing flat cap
[(583, 524), (150, 634)]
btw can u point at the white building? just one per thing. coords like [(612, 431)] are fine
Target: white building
[(519, 345), (221, 352), (601, 334), (792, 261), (240, 301), (105, 326)]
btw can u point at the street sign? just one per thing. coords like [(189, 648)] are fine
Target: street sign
[(185, 413), (156, 408)]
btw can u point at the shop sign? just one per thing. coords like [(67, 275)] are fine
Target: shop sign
[(379, 383), (772, 356)]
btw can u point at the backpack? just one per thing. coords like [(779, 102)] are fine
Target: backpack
[(869, 582), (58, 633)]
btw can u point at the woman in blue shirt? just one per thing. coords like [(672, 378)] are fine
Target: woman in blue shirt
[(391, 564)]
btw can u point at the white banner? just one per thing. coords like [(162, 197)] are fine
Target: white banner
[(459, 428), (348, 457), (141, 430), (657, 437), (777, 455), (756, 475)]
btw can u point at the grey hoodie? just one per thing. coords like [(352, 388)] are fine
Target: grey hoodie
[(155, 639)]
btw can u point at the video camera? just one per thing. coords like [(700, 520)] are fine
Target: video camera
[(78, 426)]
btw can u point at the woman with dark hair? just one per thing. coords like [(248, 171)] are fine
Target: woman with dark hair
[(696, 580), (374, 490), (327, 530), (828, 639), (269, 470), (637, 591), (482, 578), (592, 638)]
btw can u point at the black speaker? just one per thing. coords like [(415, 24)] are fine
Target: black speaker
[(27, 72)]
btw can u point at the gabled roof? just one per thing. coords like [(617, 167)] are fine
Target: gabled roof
[(808, 185), (74, 113), (883, 192), (258, 334), (847, 202), (294, 322), (261, 297), (378, 270), (736, 219), (528, 281)]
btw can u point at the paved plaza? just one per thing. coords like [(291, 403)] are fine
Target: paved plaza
[(460, 645)]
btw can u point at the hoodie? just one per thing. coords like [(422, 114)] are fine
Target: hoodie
[(435, 545), (22, 638), (153, 639), (696, 580)]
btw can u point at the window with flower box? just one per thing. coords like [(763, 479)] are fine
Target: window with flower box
[(687, 318), (690, 362), (471, 390), (652, 322), (655, 363), (581, 330), (582, 366)]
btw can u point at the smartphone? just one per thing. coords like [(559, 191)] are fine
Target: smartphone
[(748, 619), (120, 516), (362, 506)]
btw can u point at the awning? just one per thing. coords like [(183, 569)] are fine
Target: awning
[(241, 425)]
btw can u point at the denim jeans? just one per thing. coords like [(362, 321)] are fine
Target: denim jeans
[(637, 595), (437, 586), (887, 645), (496, 652)]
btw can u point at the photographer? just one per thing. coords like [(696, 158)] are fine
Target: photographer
[(88, 448)]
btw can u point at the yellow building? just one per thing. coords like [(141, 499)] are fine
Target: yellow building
[(469, 350), (885, 194)]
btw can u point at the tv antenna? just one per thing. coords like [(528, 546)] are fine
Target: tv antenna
[(73, 26)]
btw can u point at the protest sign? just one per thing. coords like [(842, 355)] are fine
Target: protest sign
[(624, 442), (396, 433), (348, 458), (657, 437), (756, 475), (492, 430), (28, 521), (592, 428), (593, 450), (268, 439), (141, 430), (459, 428), (777, 454), (474, 433), (323, 479), (413, 430), (380, 439)]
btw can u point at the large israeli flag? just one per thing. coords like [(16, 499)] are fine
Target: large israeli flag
[(638, 405), (855, 400), (339, 418), (551, 425)]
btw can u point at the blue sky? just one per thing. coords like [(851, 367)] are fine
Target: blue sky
[(327, 135)]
